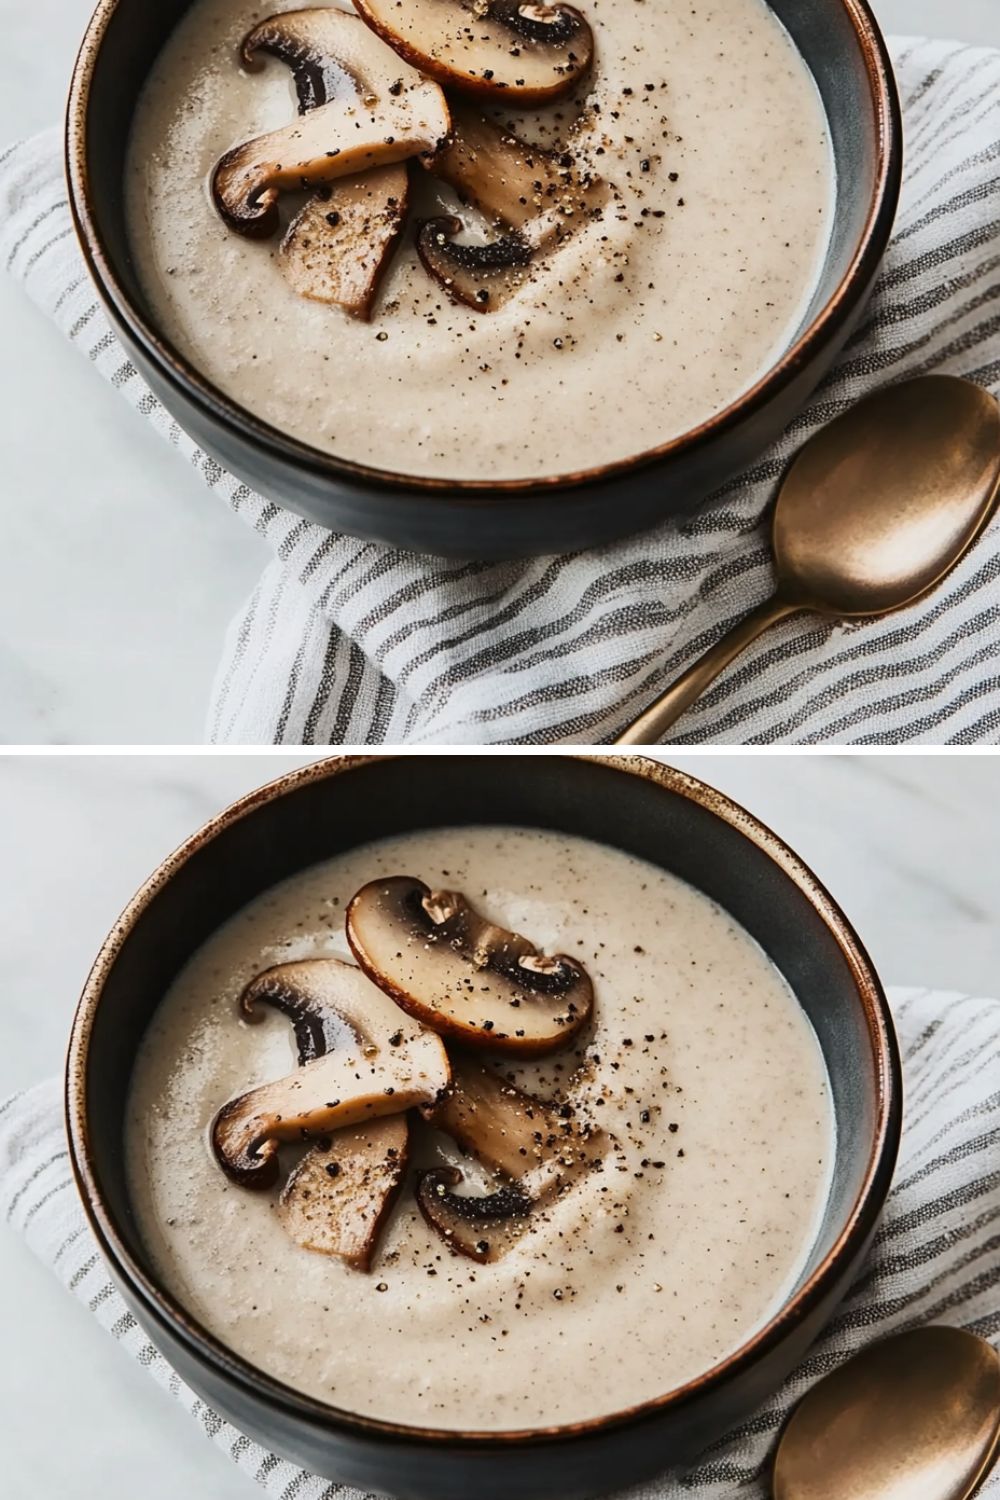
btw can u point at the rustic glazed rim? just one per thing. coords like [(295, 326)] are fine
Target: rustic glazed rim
[(853, 1236), (242, 423)]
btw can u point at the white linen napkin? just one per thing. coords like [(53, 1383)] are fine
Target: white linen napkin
[(345, 642), (936, 1257)]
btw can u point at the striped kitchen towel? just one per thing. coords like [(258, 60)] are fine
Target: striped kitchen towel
[(345, 642), (936, 1258)]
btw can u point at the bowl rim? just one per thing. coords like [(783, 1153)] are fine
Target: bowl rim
[(819, 1285), (186, 381)]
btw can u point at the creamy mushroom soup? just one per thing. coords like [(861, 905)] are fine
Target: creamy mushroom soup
[(696, 1080), (697, 181)]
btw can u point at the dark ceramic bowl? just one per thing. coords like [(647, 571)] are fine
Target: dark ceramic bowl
[(841, 44), (636, 804)]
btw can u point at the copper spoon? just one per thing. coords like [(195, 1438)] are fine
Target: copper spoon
[(914, 1417), (875, 510)]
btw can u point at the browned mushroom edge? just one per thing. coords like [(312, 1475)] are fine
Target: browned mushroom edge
[(514, 50), (534, 199), (463, 976), (383, 1065), (306, 41), (403, 115), (483, 1227), (338, 1198), (340, 245), (538, 1150), (317, 1025), (483, 276)]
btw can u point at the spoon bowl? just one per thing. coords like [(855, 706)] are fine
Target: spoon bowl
[(876, 510), (914, 1417), (882, 503)]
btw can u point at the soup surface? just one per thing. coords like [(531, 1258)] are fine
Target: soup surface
[(701, 116), (701, 1065)]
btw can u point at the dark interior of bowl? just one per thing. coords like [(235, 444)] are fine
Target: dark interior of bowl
[(323, 817), (825, 37), (823, 33)]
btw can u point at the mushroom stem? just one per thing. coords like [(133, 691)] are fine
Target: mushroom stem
[(340, 1195), (339, 246), (321, 147)]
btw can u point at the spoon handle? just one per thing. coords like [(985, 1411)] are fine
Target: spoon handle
[(650, 727)]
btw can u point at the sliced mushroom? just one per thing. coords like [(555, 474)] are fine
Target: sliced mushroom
[(342, 1191), (309, 994), (339, 246), (513, 183), (535, 198), (389, 114), (315, 45), (463, 976), (384, 1065), (481, 1227), (528, 53), (528, 1139), (480, 276), (538, 1151)]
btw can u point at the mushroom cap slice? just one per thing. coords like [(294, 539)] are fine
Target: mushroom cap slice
[(463, 976), (392, 114), (342, 1191), (512, 182), (539, 197), (315, 45), (537, 1149), (339, 246), (310, 998), (535, 1141), (524, 52), (481, 1226), (484, 276), (384, 1065)]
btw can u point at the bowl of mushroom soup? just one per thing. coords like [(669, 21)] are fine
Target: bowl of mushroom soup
[(400, 1118), (487, 290)]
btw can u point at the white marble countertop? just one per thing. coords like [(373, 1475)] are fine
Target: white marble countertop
[(117, 644), (908, 844)]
